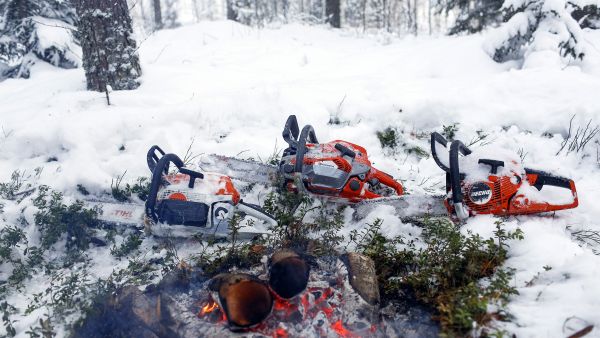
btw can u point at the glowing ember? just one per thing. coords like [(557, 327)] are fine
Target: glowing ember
[(208, 308), (339, 328), (326, 308), (280, 333)]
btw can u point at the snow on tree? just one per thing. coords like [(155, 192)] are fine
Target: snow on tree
[(542, 26), (473, 15), (33, 30), (109, 49)]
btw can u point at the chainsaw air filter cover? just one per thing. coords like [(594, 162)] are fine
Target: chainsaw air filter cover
[(337, 169), (478, 185)]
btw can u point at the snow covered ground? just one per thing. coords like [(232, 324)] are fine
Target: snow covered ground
[(229, 88)]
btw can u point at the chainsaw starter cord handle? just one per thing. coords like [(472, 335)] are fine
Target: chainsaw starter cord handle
[(307, 134), (192, 174), (495, 164), (345, 150), (455, 178)]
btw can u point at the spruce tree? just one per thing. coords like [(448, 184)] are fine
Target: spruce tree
[(109, 49), (33, 30), (542, 25)]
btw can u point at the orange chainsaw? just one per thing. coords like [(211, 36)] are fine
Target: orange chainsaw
[(503, 188), (337, 169)]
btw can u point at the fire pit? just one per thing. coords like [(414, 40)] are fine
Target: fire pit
[(341, 299)]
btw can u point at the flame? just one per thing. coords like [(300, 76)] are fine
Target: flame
[(208, 308)]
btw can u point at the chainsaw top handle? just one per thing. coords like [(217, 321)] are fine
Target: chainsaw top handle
[(306, 135), (162, 167)]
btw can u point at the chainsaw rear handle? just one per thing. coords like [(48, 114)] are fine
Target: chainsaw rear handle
[(387, 180), (306, 135), (162, 166), (456, 177), (543, 178), (438, 138), (256, 211)]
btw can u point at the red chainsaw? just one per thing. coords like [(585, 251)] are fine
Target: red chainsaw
[(337, 169), (505, 189)]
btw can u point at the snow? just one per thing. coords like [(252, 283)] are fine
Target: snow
[(228, 89)]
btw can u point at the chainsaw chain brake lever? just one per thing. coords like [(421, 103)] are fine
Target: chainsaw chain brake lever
[(345, 150), (456, 177), (306, 135), (435, 139), (290, 132), (159, 168), (152, 158)]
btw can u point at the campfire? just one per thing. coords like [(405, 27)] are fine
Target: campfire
[(330, 297)]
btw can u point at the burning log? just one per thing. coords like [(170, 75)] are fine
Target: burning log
[(244, 299), (288, 273)]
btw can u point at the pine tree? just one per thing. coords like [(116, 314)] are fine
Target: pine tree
[(35, 30), (109, 50), (541, 25)]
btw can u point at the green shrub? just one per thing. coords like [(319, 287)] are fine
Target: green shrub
[(140, 188), (388, 138), (55, 219), (447, 273), (449, 131), (131, 244)]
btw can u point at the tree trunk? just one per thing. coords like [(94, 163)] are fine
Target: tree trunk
[(158, 22), (231, 12), (109, 50), (332, 12)]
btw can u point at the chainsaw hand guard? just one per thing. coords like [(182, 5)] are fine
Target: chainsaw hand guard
[(501, 194), (337, 169)]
